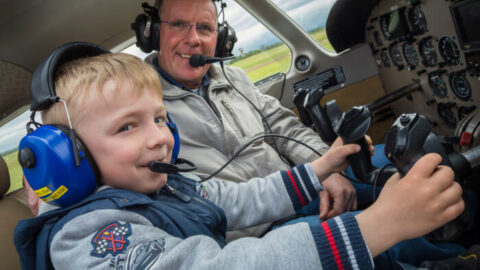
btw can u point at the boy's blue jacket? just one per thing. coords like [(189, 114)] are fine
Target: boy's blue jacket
[(179, 228), (160, 209)]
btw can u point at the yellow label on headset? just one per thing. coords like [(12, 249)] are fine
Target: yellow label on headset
[(57, 194), (42, 191)]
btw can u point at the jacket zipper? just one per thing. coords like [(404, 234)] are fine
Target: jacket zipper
[(214, 110), (186, 198), (182, 196), (234, 116), (209, 207)]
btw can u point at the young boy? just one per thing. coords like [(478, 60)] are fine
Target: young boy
[(146, 220)]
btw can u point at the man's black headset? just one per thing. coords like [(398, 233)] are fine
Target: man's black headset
[(59, 171), (147, 31)]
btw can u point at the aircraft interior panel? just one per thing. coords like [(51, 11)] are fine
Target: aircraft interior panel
[(435, 44)]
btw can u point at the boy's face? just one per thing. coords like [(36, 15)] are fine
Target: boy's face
[(124, 133)]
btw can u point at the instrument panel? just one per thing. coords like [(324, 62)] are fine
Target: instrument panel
[(435, 44)]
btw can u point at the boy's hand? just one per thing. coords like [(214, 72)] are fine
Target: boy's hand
[(342, 195), (335, 159), (423, 200)]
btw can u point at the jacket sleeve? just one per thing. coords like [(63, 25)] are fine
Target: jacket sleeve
[(263, 200), (129, 241), (283, 122)]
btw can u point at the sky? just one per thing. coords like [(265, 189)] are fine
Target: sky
[(310, 14)]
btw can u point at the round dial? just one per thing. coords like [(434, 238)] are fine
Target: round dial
[(417, 20), (378, 38), (460, 86), (449, 50), (302, 63), (447, 114), (385, 60), (438, 84), (428, 53), (384, 21), (410, 55), (396, 55)]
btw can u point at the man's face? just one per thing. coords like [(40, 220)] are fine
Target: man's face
[(177, 46), (124, 132)]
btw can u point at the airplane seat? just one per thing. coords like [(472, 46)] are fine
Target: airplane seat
[(13, 207)]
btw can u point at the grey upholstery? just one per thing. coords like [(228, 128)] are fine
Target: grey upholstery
[(13, 207)]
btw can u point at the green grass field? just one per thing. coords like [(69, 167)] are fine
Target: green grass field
[(16, 174), (276, 59)]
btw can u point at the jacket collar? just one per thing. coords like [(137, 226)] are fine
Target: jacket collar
[(171, 88), (170, 79)]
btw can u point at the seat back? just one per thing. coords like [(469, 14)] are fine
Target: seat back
[(13, 207)]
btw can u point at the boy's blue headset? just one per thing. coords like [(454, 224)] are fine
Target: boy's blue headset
[(59, 171)]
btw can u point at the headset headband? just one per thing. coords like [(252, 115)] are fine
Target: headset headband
[(42, 88)]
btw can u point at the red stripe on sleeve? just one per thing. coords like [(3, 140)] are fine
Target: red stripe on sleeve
[(302, 201), (333, 246)]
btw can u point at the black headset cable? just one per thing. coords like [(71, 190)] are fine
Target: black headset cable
[(264, 119), (252, 141)]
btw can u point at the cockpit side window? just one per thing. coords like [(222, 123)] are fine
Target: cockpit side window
[(311, 15), (10, 135), (259, 52)]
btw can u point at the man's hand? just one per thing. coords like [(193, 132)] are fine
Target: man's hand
[(340, 191)]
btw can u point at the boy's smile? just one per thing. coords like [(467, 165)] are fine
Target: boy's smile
[(124, 129)]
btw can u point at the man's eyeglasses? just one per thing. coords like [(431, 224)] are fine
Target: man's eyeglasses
[(181, 27)]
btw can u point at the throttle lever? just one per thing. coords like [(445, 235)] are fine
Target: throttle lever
[(352, 128), (318, 115)]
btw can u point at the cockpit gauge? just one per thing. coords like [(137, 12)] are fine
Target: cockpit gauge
[(449, 50), (460, 86), (410, 55), (384, 24), (385, 59), (417, 20), (302, 63), (437, 84), (427, 52), (378, 39), (396, 55), (447, 115)]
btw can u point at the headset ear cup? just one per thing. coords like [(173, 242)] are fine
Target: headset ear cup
[(83, 151), (226, 40), (51, 169), (219, 49), (143, 42), (155, 33)]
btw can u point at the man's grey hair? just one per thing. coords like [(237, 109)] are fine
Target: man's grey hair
[(158, 5)]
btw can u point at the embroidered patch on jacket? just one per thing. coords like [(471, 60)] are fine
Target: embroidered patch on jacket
[(142, 256), (202, 191), (111, 239)]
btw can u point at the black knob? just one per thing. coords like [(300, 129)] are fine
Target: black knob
[(26, 158), (404, 119)]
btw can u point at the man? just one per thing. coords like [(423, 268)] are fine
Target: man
[(212, 116), (215, 121)]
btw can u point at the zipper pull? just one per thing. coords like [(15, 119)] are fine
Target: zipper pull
[(182, 196)]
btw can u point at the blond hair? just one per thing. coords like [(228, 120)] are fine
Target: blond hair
[(75, 80)]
